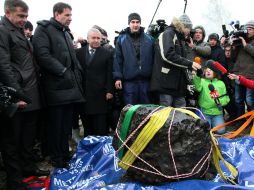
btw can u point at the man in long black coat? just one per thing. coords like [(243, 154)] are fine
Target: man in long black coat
[(96, 62), (61, 79), (18, 70)]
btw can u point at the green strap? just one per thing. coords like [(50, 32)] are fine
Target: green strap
[(125, 127), (156, 122)]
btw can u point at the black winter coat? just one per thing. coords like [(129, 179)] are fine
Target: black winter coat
[(218, 54), (98, 79), (169, 67), (17, 66), (60, 70)]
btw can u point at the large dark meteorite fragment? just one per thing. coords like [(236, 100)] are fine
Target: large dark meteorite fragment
[(189, 142)]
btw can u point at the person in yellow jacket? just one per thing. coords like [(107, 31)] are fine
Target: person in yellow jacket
[(212, 96)]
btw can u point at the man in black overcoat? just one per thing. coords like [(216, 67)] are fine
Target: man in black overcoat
[(18, 70), (61, 79)]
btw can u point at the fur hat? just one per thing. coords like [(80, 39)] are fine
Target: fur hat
[(249, 24), (134, 16), (185, 20)]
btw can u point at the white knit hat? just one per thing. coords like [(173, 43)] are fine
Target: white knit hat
[(185, 20)]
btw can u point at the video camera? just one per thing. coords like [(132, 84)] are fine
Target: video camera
[(8, 98), (155, 29), (232, 37)]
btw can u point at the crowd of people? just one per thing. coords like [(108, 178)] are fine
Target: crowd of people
[(91, 82)]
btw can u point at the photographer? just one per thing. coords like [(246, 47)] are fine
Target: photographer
[(244, 65), (196, 46)]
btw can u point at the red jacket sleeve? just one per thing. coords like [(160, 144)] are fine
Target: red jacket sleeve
[(246, 82)]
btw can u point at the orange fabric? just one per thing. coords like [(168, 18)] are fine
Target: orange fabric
[(240, 129)]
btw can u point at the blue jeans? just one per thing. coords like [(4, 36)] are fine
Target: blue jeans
[(168, 100), (136, 92), (243, 95), (215, 120)]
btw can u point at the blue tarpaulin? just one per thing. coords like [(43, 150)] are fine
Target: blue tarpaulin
[(94, 166)]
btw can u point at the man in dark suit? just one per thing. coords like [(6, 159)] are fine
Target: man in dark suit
[(18, 70), (96, 62)]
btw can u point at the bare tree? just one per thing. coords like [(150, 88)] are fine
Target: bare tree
[(215, 16)]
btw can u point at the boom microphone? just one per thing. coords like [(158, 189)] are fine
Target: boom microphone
[(216, 67), (214, 95)]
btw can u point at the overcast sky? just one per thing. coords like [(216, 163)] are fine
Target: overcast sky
[(113, 14)]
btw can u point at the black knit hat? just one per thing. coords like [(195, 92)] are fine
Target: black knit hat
[(213, 36), (134, 16)]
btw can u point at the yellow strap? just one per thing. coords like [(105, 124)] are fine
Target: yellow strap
[(155, 123), (188, 112), (218, 168), (217, 156)]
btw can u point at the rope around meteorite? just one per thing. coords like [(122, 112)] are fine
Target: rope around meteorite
[(177, 176)]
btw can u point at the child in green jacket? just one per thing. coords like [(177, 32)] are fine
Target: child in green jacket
[(212, 97)]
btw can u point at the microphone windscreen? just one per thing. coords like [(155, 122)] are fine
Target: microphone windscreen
[(220, 67), (211, 87), (197, 60)]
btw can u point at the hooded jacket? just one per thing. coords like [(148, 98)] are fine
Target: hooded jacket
[(60, 69), (133, 56), (244, 64), (201, 49), (170, 61)]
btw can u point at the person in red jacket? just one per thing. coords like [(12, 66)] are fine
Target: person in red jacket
[(242, 80)]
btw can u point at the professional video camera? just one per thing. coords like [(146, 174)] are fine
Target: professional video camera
[(233, 36), (8, 98), (155, 29)]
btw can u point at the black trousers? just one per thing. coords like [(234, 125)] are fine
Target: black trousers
[(95, 124), (17, 135), (60, 123)]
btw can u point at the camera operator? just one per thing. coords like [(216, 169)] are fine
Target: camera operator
[(18, 70), (196, 46), (244, 65)]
